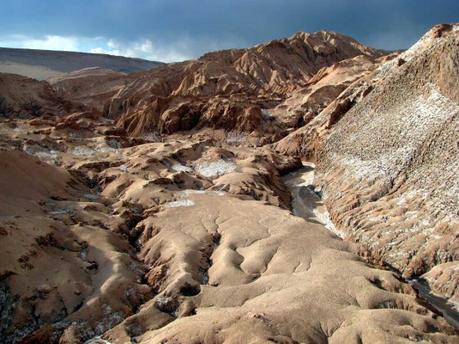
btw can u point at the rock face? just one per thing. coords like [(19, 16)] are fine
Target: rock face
[(318, 107), (182, 96), (152, 207), (390, 166), (323, 88), (22, 96)]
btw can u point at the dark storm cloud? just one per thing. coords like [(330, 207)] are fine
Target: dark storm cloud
[(193, 27)]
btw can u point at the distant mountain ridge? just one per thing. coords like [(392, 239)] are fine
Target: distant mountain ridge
[(43, 64)]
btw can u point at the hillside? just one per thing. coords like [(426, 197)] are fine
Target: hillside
[(43, 64), (390, 166), (245, 80), (300, 191)]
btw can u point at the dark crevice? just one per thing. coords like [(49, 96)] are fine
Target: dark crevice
[(190, 290)]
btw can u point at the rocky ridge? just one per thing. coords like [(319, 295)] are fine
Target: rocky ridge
[(226, 89), (174, 221), (389, 168)]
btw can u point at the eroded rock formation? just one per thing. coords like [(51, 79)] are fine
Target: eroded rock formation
[(390, 165), (154, 207), (226, 89)]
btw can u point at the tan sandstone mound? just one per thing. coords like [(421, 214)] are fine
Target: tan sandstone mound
[(231, 271), (59, 263)]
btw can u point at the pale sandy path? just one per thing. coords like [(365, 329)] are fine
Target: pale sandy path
[(306, 202)]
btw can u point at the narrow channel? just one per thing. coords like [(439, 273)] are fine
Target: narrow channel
[(306, 199)]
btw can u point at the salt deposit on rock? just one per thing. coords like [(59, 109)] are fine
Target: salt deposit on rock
[(390, 166), (215, 168), (97, 340), (177, 167), (179, 203), (123, 168), (83, 151)]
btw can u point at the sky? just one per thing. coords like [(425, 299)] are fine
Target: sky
[(176, 30)]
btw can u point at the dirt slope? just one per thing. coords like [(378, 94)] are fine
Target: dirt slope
[(390, 166), (24, 97)]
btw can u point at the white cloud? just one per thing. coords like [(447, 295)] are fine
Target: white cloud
[(145, 49), (178, 49), (48, 42), (98, 51), (53, 43)]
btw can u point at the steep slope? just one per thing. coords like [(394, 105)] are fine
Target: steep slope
[(43, 64), (226, 89), (24, 97), (316, 108), (389, 169)]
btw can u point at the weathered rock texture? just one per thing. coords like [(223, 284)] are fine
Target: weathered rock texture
[(180, 240), (168, 221), (24, 97), (239, 271), (226, 89), (318, 107), (59, 262), (390, 166)]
